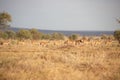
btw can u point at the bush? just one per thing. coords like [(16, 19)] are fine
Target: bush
[(46, 36), (73, 37), (3, 35), (103, 36), (57, 36), (11, 34), (117, 35), (35, 34), (24, 34)]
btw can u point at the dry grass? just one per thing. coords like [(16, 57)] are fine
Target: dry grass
[(60, 62)]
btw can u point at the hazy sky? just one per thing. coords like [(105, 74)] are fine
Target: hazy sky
[(63, 14)]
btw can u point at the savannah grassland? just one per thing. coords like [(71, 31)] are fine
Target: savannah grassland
[(58, 61)]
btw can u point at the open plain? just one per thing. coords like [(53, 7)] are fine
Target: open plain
[(56, 60)]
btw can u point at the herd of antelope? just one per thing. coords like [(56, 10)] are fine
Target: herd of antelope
[(46, 43)]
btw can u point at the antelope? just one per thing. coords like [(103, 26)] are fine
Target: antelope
[(43, 43), (6, 42), (1, 43), (108, 42), (77, 42)]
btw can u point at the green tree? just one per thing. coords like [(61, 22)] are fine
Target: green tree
[(46, 36), (57, 36), (35, 34), (5, 19), (73, 37), (117, 35), (3, 35), (24, 34), (11, 34)]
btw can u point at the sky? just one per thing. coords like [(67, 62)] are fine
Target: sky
[(63, 14)]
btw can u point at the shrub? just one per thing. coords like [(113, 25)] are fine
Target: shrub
[(11, 34), (57, 36), (117, 35), (3, 35), (24, 34), (46, 36), (35, 34), (73, 37)]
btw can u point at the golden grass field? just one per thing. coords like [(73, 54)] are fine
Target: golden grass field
[(57, 61)]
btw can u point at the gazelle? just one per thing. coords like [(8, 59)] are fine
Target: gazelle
[(78, 42)]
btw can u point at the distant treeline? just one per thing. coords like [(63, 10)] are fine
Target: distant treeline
[(35, 34), (29, 34), (5, 19)]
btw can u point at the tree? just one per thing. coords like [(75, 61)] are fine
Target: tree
[(5, 19), (35, 34), (11, 34), (46, 36), (57, 36), (3, 35), (24, 34), (117, 35), (73, 37)]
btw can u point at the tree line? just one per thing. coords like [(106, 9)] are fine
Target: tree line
[(5, 19), (29, 34)]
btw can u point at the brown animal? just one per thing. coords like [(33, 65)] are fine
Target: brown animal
[(66, 42), (108, 42), (1, 43), (43, 43), (97, 42), (77, 42), (7, 42)]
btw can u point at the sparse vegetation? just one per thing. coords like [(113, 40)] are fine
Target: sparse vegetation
[(3, 35), (24, 34), (33, 34), (58, 62), (36, 35), (11, 34), (57, 36), (117, 35), (73, 37), (46, 36), (32, 55)]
